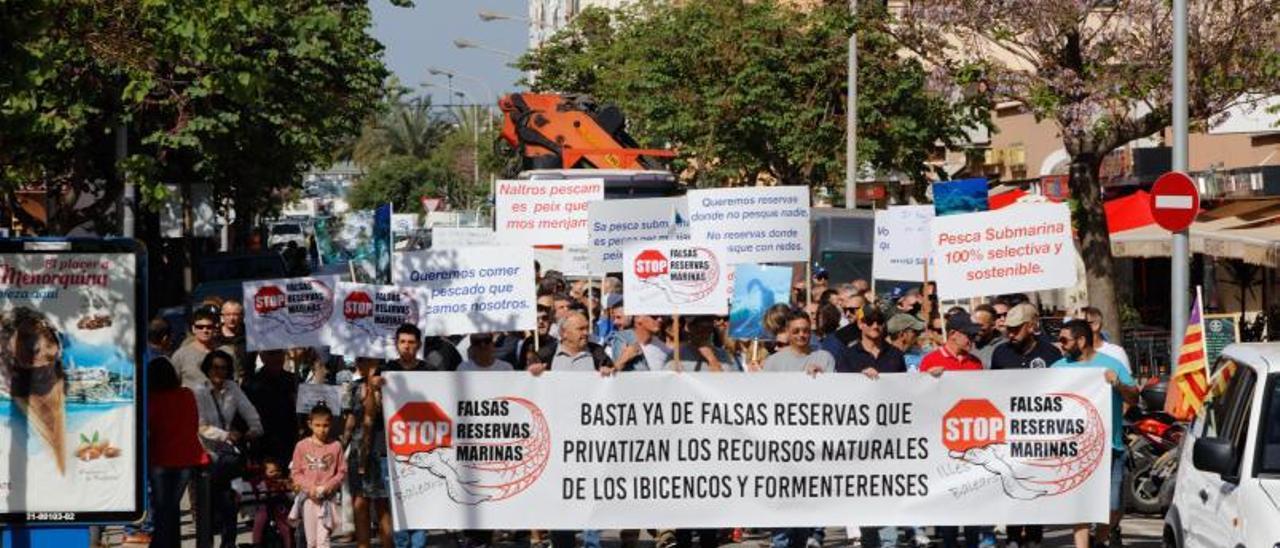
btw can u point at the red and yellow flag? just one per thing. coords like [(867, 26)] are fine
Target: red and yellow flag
[(1189, 383)]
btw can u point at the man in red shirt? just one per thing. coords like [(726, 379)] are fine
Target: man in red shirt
[(954, 354)]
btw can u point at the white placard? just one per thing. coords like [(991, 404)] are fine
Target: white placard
[(288, 312), (670, 450), (462, 236), (754, 224), (403, 223), (473, 290), (577, 261), (901, 243), (544, 212), (311, 394), (683, 277), (614, 223), (367, 317), (1020, 248)]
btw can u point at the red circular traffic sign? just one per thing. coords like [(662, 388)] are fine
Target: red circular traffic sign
[(1175, 201)]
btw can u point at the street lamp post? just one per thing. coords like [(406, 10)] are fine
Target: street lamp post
[(463, 43)]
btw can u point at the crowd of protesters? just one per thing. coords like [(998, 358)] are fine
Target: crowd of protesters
[(220, 414)]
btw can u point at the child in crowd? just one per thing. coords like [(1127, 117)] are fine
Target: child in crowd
[(318, 469), (272, 491)]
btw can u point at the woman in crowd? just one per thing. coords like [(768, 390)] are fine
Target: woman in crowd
[(173, 444), (220, 403), (366, 448)]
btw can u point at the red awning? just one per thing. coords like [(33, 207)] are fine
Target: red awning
[(1129, 212), (1005, 198)]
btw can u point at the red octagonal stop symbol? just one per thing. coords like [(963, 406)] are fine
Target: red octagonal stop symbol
[(650, 263), (417, 427), (972, 423)]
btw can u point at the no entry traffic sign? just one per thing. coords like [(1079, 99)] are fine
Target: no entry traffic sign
[(1175, 201)]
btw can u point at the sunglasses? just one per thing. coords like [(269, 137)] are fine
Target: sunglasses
[(1064, 340), (203, 326)]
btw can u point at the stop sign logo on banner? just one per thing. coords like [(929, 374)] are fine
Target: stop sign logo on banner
[(972, 424), (650, 263), (358, 305), (419, 427), (268, 299)]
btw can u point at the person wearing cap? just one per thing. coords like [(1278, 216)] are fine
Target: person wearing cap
[(904, 331), (954, 354), (1024, 349), (871, 355)]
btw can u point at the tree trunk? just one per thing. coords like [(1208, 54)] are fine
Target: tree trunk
[(1094, 239)]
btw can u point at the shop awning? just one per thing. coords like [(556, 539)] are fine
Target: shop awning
[(1248, 230)]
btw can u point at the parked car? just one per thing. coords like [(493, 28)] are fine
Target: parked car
[(285, 232), (1228, 486)]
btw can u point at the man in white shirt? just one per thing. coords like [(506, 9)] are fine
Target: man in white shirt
[(1094, 317)]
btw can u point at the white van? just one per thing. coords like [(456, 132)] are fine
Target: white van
[(1228, 486)]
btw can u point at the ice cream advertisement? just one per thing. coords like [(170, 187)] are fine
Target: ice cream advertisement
[(68, 384)]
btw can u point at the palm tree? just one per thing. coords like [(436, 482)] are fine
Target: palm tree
[(407, 128)]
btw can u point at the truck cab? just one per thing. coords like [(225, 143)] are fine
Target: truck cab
[(1228, 486)]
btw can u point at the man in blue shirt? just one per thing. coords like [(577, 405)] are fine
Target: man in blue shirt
[(1076, 339)]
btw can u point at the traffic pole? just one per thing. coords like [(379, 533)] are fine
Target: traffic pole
[(1179, 268)]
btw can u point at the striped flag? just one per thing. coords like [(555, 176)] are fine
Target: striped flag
[(1189, 384)]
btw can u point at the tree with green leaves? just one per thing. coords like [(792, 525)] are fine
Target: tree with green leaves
[(240, 94), (1100, 69), (750, 89), (402, 128)]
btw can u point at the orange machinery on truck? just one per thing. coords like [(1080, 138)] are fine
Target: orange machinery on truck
[(553, 131)]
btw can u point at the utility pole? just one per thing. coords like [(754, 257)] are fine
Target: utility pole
[(851, 119), (1179, 269)]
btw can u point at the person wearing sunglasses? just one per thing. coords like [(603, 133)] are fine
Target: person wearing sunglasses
[(482, 355), (204, 339), (798, 356), (1076, 339), (954, 353)]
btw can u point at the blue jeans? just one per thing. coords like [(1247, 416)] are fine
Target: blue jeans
[(410, 539), (167, 486)]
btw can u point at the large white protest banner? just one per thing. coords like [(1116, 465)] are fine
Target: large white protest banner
[(901, 243), (462, 236), (668, 450), (476, 290), (369, 315), (614, 223), (544, 212), (288, 312), (753, 224), (675, 277), (1020, 248)]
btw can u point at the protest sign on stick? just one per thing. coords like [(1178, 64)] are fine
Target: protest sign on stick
[(476, 290), (368, 316), (753, 224), (542, 212), (674, 450), (682, 277), (285, 313), (615, 223), (1021, 248), (901, 244)]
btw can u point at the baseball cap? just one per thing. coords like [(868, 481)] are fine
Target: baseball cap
[(1020, 314), (902, 322), (612, 300), (960, 322)]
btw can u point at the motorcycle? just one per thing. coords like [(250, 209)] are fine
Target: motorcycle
[(1152, 437)]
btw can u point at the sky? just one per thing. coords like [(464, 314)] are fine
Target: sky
[(422, 36)]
